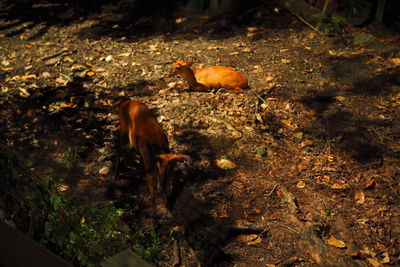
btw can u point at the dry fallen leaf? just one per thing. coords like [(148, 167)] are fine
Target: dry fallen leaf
[(52, 61), (247, 50), (252, 239), (300, 184), (386, 258), (23, 92), (359, 196), (62, 80), (109, 58), (180, 20), (374, 262), (7, 69), (5, 62), (125, 54), (104, 170), (362, 220), (340, 186), (368, 251), (298, 135), (369, 183), (90, 73), (259, 118), (286, 61), (63, 187), (25, 77), (301, 167), (225, 164), (333, 241), (340, 98), (269, 78), (287, 122), (306, 142), (395, 61)]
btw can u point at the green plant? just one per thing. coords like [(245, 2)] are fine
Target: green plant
[(330, 212), (150, 244), (70, 155), (331, 24), (81, 234)]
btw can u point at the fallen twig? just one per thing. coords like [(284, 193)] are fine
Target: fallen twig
[(262, 99), (305, 22)]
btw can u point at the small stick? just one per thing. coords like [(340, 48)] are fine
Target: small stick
[(262, 99), (306, 23)]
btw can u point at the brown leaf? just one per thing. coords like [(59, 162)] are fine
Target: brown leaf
[(23, 92), (306, 142), (52, 61), (300, 184), (301, 167), (287, 122), (225, 164), (5, 62), (369, 183), (333, 241), (251, 29), (104, 170), (63, 187), (340, 186), (340, 98), (386, 258), (359, 196), (109, 58), (395, 61), (299, 135), (374, 262), (247, 50), (7, 69), (259, 118), (26, 77), (252, 239)]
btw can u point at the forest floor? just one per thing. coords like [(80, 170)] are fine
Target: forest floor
[(313, 145)]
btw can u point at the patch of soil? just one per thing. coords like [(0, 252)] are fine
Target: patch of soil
[(315, 137)]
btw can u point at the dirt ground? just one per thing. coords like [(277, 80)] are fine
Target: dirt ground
[(315, 138)]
